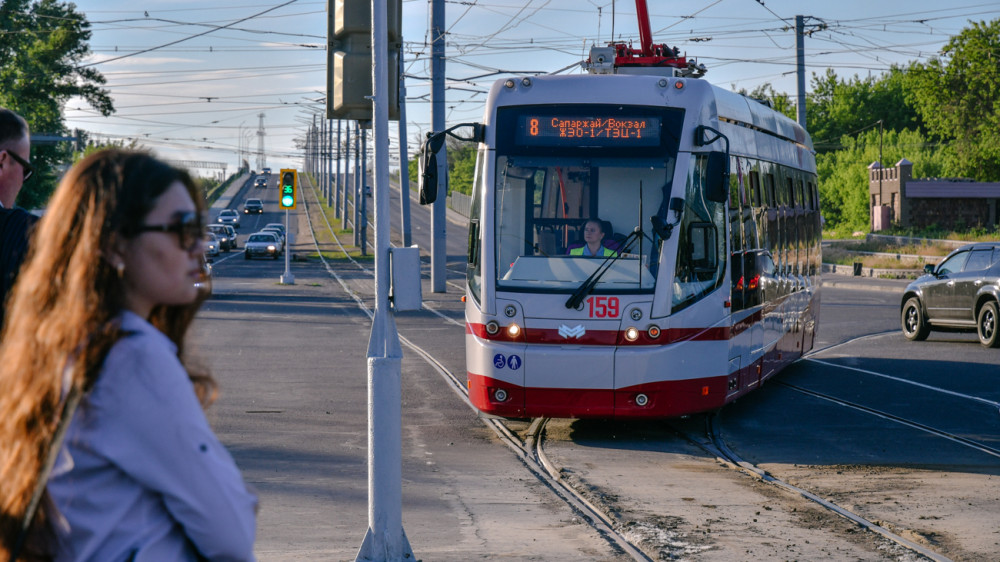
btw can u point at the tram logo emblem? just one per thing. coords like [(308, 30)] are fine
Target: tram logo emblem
[(576, 332)]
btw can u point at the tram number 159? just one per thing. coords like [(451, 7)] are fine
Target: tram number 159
[(602, 307)]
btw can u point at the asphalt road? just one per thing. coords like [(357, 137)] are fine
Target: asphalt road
[(291, 363)]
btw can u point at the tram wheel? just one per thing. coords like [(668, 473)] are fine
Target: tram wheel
[(914, 325)]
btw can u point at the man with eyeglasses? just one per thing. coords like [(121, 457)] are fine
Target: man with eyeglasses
[(15, 223)]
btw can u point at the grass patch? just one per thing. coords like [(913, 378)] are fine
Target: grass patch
[(841, 256)]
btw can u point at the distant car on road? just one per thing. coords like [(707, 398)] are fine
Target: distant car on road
[(253, 206), (230, 217), (262, 244), (960, 294), (225, 234), (265, 171), (211, 245), (260, 182), (281, 237)]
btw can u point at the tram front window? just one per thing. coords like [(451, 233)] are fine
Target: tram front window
[(545, 206)]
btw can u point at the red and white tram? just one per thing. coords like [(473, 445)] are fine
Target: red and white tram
[(706, 282)]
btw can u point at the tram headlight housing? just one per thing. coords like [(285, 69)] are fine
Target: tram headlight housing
[(653, 331), (492, 327), (513, 330), (631, 334)]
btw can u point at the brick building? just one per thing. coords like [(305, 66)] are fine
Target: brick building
[(896, 199)]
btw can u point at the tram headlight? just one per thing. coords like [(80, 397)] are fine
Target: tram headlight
[(492, 327), (653, 331), (526, 82), (641, 400), (510, 311), (513, 330), (500, 395), (631, 334), (508, 84)]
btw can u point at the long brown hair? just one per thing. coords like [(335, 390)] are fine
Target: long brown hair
[(64, 308)]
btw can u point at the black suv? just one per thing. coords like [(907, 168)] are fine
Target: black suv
[(960, 294), (253, 206)]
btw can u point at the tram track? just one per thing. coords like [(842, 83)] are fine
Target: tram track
[(530, 451), (527, 451)]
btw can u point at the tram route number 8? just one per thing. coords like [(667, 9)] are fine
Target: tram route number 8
[(603, 307)]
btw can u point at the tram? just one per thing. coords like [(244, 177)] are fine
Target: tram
[(705, 282)]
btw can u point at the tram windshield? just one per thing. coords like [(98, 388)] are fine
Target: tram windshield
[(559, 218)]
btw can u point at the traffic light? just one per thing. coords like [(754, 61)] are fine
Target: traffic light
[(349, 58), (289, 189)]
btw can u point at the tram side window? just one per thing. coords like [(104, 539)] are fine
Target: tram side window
[(772, 199), (755, 189), (811, 191), (789, 193), (701, 253)]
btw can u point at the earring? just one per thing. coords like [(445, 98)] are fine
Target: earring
[(120, 269)]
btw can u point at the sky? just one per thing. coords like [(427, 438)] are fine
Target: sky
[(190, 79)]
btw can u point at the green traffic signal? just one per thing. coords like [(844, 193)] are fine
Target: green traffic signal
[(289, 182)]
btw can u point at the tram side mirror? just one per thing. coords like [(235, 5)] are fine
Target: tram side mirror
[(427, 178), (717, 176)]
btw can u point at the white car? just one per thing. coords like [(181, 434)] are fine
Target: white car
[(230, 217), (262, 244), (211, 245)]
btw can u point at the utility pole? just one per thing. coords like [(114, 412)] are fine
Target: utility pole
[(404, 163), (800, 59), (438, 219), (261, 161), (385, 539)]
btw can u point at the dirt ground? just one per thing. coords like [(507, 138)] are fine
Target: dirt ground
[(678, 502)]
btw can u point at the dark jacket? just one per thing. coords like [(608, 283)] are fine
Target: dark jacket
[(15, 227)]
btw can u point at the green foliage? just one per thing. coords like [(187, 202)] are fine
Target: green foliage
[(839, 107), (461, 166), (843, 174), (958, 96), (39, 72)]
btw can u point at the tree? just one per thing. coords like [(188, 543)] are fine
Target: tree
[(958, 97), (41, 47), (843, 174), (839, 107)]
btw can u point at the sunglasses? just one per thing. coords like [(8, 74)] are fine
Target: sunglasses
[(188, 228), (25, 165)]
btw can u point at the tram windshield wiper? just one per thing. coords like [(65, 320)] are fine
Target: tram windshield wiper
[(588, 285)]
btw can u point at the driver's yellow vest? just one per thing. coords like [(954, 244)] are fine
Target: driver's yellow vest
[(603, 252)]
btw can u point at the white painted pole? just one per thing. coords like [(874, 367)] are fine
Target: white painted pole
[(287, 278), (385, 539)]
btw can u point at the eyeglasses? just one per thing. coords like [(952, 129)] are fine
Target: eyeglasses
[(26, 166), (188, 229)]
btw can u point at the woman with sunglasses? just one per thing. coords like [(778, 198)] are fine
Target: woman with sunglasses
[(100, 310)]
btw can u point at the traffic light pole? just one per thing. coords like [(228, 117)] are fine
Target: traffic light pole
[(287, 278), (385, 539)]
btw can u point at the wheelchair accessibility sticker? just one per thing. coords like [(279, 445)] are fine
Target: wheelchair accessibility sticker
[(512, 362)]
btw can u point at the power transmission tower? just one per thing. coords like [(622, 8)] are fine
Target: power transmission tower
[(261, 160)]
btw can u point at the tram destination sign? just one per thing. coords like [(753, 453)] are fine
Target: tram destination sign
[(588, 130)]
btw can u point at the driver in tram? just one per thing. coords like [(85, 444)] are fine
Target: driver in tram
[(593, 238)]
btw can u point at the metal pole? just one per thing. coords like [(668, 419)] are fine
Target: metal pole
[(404, 163), (340, 180), (347, 172), (357, 189), (438, 219), (385, 539), (800, 59), (329, 164), (364, 190), (287, 278)]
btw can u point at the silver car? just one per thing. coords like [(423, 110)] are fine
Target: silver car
[(211, 245), (230, 217), (262, 244)]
